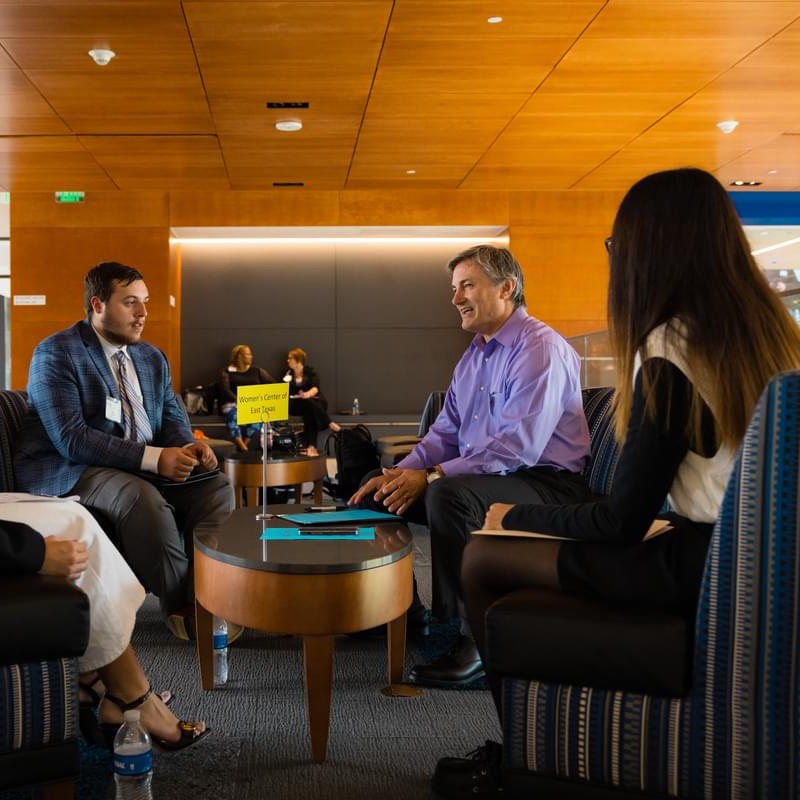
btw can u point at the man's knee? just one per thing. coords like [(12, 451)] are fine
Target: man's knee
[(449, 496)]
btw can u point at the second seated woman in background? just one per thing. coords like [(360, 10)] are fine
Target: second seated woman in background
[(239, 372), (306, 399)]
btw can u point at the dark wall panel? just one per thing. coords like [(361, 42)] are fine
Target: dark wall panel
[(374, 317)]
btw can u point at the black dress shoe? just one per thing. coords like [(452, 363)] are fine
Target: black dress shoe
[(459, 666), (478, 775)]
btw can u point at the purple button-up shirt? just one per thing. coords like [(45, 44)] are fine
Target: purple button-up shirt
[(514, 402)]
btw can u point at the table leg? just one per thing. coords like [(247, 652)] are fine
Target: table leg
[(318, 492), (396, 648), (318, 658), (204, 621)]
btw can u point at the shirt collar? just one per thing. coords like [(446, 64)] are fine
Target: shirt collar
[(109, 348), (507, 333)]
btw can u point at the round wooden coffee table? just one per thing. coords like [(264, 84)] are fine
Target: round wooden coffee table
[(246, 471), (315, 589)]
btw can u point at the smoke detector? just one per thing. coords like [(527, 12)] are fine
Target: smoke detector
[(101, 56), (728, 125), (289, 125)]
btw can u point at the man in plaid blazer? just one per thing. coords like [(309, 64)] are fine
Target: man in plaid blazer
[(74, 439)]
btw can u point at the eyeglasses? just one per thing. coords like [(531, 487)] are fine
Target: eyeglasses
[(607, 242)]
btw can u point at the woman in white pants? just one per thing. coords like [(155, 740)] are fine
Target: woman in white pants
[(59, 537)]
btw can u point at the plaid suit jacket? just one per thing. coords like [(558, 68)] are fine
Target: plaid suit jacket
[(67, 430)]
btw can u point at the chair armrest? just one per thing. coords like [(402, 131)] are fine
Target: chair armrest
[(41, 618), (559, 638)]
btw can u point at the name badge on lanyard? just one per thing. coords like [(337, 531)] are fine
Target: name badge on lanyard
[(113, 409)]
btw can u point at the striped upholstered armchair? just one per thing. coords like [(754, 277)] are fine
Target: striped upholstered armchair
[(720, 718), (44, 626)]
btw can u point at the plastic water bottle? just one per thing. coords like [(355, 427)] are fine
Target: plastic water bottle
[(356, 409), (133, 760), (220, 652)]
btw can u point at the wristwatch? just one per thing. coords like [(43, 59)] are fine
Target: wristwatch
[(434, 473)]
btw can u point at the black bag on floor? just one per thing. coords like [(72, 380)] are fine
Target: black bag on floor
[(356, 454)]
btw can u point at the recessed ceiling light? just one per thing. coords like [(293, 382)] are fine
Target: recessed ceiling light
[(287, 125), (411, 172), (728, 125), (101, 56), (745, 183), (772, 172), (494, 20)]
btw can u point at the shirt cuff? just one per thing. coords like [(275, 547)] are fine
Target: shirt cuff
[(150, 459)]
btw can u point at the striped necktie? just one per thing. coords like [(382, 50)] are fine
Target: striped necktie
[(134, 417)]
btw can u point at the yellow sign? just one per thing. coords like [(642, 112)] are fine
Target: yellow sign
[(266, 402)]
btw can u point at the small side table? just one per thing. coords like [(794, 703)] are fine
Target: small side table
[(313, 589), (245, 472)]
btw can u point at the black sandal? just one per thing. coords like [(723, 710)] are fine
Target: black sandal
[(187, 729)]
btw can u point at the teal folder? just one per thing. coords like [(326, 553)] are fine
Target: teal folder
[(294, 535)]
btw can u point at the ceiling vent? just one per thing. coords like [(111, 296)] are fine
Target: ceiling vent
[(281, 184), (299, 104)]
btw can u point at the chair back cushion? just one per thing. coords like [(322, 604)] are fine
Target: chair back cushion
[(433, 405), (747, 679), (13, 408), (599, 409)]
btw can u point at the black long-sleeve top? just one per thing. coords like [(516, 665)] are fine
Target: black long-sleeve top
[(648, 462), (21, 549), (229, 382)]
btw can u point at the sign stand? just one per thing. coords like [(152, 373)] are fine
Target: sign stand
[(266, 435)]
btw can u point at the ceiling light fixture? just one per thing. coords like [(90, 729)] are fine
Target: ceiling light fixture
[(745, 183), (289, 125), (411, 172), (494, 20), (101, 56), (728, 125)]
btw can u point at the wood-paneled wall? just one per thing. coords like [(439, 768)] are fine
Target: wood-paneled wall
[(557, 236)]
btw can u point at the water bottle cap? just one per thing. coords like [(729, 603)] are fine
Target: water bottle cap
[(132, 715)]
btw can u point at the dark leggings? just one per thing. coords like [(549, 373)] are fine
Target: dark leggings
[(494, 566)]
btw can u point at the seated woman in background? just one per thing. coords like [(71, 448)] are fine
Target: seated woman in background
[(63, 539), (239, 372), (306, 399), (696, 333)]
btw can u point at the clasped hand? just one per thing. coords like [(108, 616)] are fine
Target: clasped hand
[(396, 489), (178, 463), (65, 558)]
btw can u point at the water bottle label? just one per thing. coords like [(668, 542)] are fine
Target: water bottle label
[(137, 764), (220, 641)]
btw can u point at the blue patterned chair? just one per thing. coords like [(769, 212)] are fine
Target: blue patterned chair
[(44, 626), (721, 719)]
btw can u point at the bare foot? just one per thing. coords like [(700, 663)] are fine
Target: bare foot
[(156, 718), (241, 444)]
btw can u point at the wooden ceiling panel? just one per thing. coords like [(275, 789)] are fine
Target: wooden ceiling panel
[(568, 95), (179, 162), (24, 110), (49, 163), (687, 19)]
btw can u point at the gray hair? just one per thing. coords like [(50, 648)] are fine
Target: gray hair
[(498, 264)]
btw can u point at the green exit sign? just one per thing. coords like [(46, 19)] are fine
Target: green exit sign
[(69, 197)]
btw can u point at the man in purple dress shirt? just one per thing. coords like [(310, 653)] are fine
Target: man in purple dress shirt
[(512, 430)]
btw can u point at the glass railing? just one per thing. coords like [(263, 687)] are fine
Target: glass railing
[(597, 364)]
